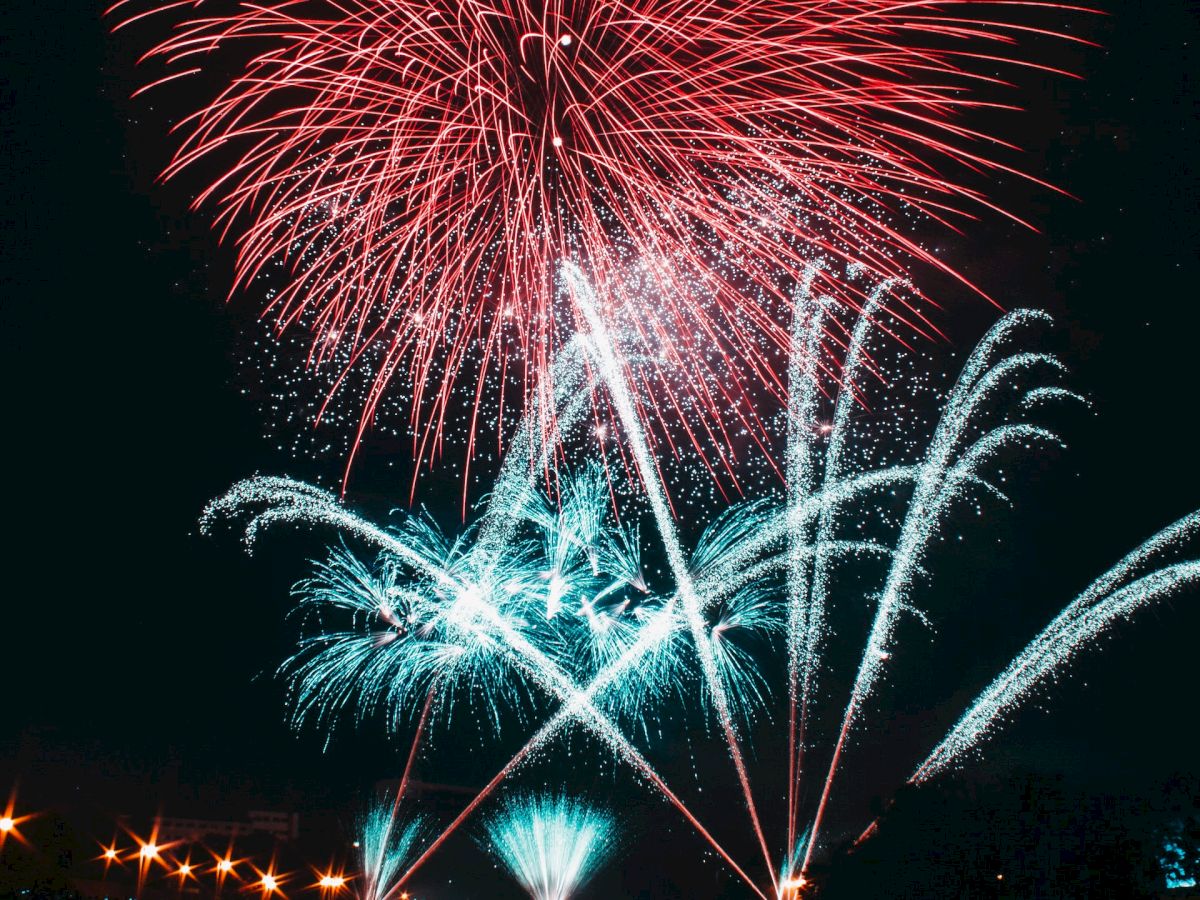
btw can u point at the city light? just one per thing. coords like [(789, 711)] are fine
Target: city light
[(9, 822), (109, 855), (268, 881), (332, 882), (149, 854), (184, 872), (224, 866)]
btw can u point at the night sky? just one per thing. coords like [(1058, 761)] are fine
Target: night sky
[(138, 655)]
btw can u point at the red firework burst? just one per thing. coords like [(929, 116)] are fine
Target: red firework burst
[(406, 176)]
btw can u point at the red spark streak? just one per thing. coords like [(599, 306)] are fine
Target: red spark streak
[(412, 758), (414, 172)]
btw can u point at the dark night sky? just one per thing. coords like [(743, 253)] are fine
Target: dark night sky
[(129, 643)]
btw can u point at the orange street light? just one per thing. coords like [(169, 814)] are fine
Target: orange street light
[(332, 882), (110, 855), (10, 823), (269, 882)]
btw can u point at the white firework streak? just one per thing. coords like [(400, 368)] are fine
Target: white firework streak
[(806, 643), (512, 489), (800, 477), (612, 372), (1083, 620), (940, 477)]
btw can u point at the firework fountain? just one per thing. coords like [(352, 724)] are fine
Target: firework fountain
[(385, 843), (545, 594), (551, 845)]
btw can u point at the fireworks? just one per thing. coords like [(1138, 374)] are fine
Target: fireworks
[(385, 844), (551, 845), (1115, 595), (402, 180), (639, 224), (543, 599)]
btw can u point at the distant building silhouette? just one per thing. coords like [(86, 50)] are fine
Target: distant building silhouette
[(282, 826)]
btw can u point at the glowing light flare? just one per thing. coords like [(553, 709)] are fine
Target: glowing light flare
[(791, 888), (185, 871), (225, 866), (150, 852), (269, 882), (10, 822), (110, 854)]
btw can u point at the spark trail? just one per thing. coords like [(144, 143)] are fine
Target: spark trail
[(385, 845), (800, 481), (612, 372), (1111, 597), (819, 585), (939, 477)]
